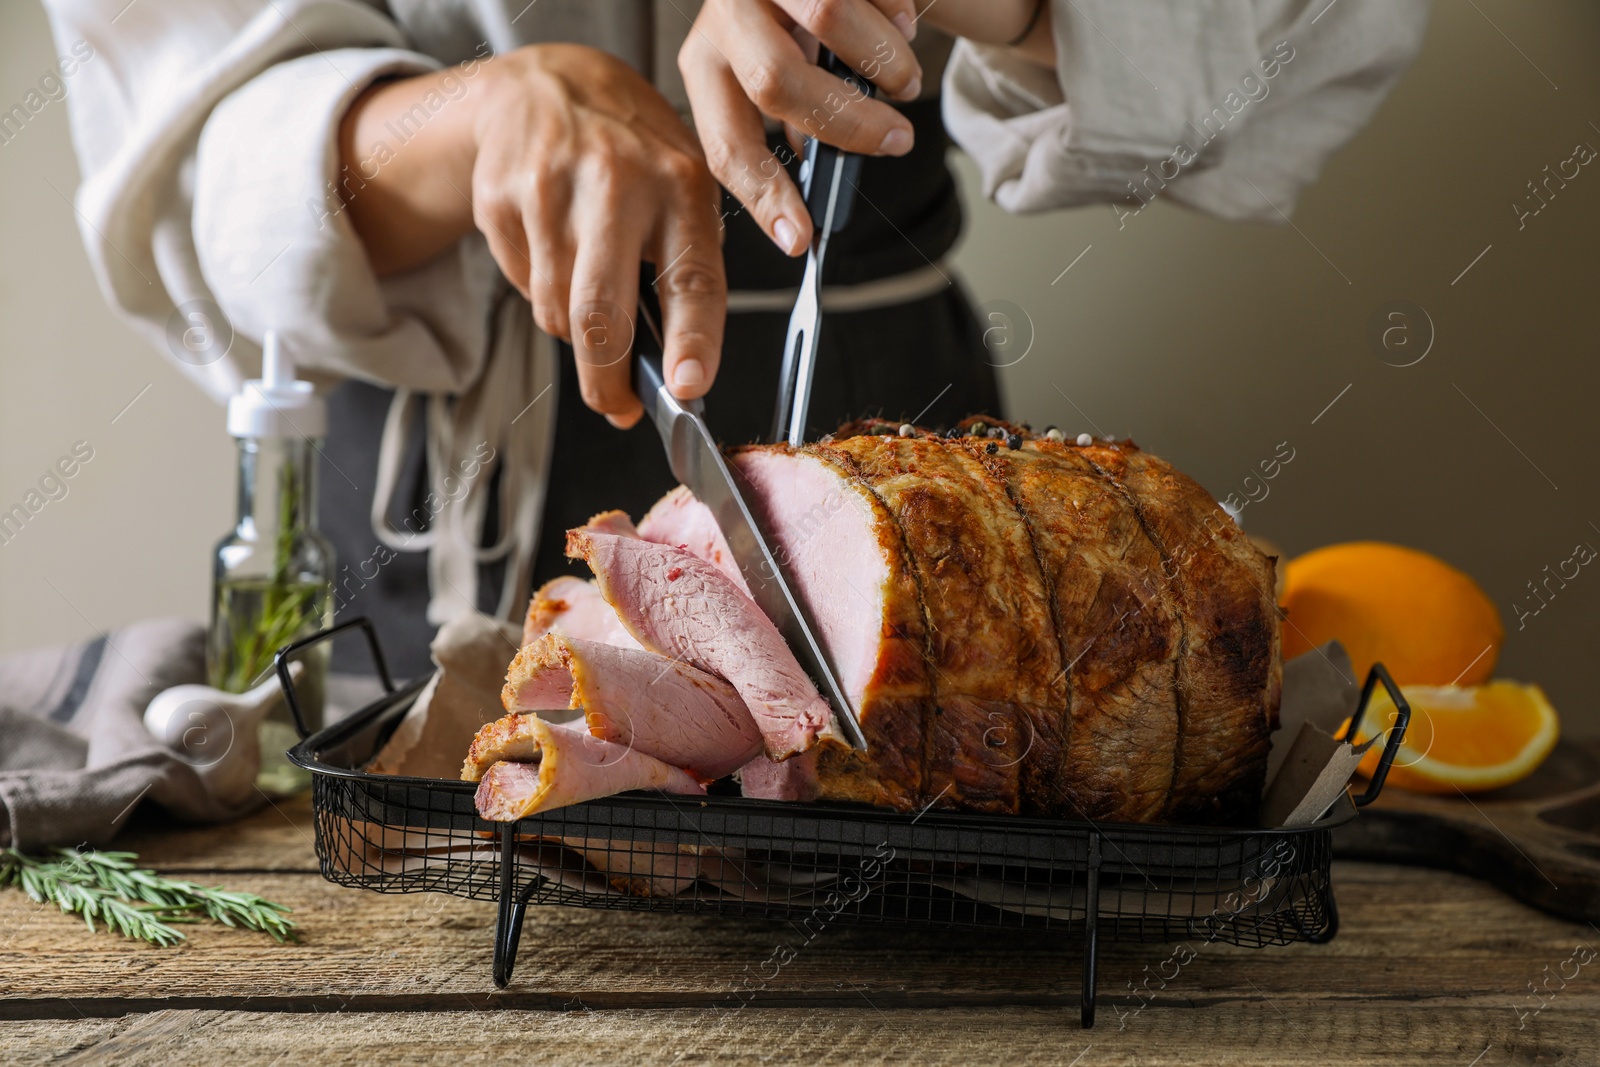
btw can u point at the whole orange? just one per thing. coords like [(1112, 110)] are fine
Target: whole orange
[(1428, 622)]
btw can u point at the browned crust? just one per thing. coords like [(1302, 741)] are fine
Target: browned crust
[(1043, 781), (542, 654), (1231, 674), (493, 739), (996, 670), (1120, 637)]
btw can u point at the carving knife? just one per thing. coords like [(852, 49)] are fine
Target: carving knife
[(828, 182), (697, 462)]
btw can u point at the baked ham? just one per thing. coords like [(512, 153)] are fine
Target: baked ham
[(1023, 624)]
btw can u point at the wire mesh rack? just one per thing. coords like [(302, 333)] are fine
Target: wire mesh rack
[(813, 864)]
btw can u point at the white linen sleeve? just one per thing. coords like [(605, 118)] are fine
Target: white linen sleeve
[(1228, 106), (278, 251), (206, 140)]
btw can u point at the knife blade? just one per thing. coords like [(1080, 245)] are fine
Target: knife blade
[(828, 183), (697, 462)]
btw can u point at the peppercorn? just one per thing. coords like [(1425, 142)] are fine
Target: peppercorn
[(977, 429), (991, 448), (1014, 441)]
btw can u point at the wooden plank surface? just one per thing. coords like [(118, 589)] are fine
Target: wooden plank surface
[(1429, 967), (1407, 934), (1262, 1032)]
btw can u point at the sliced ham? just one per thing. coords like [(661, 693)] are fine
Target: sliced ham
[(793, 779), (679, 605), (659, 706), (640, 868), (510, 737), (525, 766), (539, 678), (573, 606)]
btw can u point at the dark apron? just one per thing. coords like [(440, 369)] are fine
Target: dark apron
[(893, 362)]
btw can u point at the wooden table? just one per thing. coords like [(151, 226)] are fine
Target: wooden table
[(1429, 968)]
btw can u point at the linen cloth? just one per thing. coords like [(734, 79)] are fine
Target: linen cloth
[(75, 758)]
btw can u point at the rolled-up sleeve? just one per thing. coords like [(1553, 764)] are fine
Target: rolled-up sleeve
[(1229, 106), (278, 251), (207, 139)]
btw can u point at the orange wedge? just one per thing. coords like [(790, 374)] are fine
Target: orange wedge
[(1464, 737)]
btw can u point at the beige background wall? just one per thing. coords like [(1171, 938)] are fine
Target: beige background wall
[(1206, 342)]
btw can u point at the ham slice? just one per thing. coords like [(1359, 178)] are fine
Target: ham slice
[(640, 868), (662, 707), (572, 606), (539, 678), (679, 605), (510, 737), (680, 519), (613, 522), (793, 779), (524, 765)]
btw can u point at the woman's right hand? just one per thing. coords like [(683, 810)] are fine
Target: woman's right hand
[(749, 60), (576, 170), (746, 60)]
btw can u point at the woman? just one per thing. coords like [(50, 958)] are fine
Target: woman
[(392, 185)]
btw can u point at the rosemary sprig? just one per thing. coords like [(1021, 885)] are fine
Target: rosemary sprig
[(135, 902)]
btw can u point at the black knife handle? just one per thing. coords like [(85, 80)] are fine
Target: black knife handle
[(821, 158), (648, 343), (649, 378)]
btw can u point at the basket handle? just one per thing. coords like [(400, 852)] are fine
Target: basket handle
[(1397, 733), (286, 655)]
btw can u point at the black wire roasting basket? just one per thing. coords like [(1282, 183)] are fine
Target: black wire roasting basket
[(813, 864)]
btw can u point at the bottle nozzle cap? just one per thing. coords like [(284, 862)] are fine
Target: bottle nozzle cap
[(277, 404), (277, 366)]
